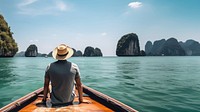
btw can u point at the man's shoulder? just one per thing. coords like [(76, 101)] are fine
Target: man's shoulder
[(74, 65), (76, 68)]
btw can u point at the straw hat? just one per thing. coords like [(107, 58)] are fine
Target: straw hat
[(62, 52)]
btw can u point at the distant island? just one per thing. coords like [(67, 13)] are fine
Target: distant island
[(171, 47), (128, 45), (32, 51)]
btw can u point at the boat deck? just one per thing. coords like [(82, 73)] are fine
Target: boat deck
[(76, 107), (98, 102)]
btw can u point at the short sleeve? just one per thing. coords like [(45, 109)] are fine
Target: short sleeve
[(47, 72), (77, 70)]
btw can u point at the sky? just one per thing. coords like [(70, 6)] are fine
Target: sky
[(99, 23)]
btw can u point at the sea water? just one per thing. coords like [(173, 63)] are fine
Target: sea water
[(147, 84)]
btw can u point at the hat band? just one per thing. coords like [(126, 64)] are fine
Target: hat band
[(63, 54)]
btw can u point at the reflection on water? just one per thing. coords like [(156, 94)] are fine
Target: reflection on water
[(129, 66), (6, 74), (127, 71), (7, 77)]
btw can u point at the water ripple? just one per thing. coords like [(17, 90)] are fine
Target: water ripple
[(148, 84)]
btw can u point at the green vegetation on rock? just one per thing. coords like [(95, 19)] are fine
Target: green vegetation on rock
[(8, 46)]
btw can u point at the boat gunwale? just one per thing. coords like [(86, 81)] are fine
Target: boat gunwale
[(22, 102), (95, 95), (107, 100)]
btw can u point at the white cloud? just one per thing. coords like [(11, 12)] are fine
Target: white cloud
[(26, 2), (37, 7), (34, 41), (135, 5), (61, 5), (104, 34)]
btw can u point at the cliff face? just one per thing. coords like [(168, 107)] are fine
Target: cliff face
[(157, 47), (77, 53), (172, 48), (97, 52), (191, 47), (148, 47), (163, 47), (128, 45), (31, 51), (90, 51), (8, 46)]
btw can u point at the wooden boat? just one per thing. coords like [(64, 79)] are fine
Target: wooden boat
[(99, 102)]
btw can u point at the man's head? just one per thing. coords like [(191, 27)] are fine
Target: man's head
[(62, 52)]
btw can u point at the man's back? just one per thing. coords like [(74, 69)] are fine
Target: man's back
[(62, 75)]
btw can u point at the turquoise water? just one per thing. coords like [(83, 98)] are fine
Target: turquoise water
[(148, 84)]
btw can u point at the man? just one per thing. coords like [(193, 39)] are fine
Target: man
[(62, 75)]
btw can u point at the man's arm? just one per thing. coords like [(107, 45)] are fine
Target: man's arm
[(46, 89), (79, 88)]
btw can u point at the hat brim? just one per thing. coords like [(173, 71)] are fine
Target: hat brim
[(57, 57)]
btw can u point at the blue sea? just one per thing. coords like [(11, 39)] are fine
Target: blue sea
[(147, 84)]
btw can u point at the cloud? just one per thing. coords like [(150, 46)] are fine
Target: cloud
[(26, 2), (61, 5), (103, 34), (33, 41), (135, 5), (39, 7)]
